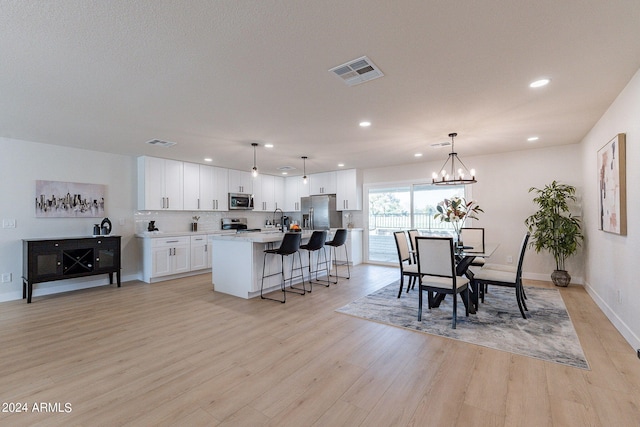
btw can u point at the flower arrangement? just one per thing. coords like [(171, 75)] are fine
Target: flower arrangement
[(195, 218), (455, 210)]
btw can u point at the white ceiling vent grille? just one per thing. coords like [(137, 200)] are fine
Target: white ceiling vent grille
[(161, 143), (357, 71)]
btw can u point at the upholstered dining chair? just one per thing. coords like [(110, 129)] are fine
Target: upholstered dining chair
[(407, 266), (473, 239), (437, 273), (489, 275), (412, 241)]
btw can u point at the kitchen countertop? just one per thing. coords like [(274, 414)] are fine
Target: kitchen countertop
[(162, 234), (257, 237)]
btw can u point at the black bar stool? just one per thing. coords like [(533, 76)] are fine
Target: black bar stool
[(315, 243), (289, 246), (339, 239)]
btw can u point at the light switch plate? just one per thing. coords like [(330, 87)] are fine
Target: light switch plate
[(6, 277), (8, 223)]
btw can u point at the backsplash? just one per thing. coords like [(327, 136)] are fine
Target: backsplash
[(180, 221)]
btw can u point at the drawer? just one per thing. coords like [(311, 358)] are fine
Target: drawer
[(170, 242), (199, 240)]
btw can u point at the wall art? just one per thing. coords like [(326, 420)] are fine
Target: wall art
[(56, 199), (612, 200)]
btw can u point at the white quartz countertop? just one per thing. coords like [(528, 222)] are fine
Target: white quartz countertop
[(163, 234), (262, 237)]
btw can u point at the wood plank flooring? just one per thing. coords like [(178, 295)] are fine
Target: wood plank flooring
[(177, 353)]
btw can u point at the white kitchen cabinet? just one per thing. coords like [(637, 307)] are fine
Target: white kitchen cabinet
[(263, 193), (240, 182), (169, 256), (160, 184), (295, 188), (323, 183), (192, 186), (278, 192), (353, 246), (214, 189), (349, 190), (200, 254)]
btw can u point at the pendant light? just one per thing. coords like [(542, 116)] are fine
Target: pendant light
[(304, 169), (449, 175), (254, 170)]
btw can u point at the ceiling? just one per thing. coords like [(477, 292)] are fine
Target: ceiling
[(215, 76)]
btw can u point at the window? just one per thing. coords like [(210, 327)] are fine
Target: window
[(395, 208)]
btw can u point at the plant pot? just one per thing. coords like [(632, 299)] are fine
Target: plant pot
[(561, 278)]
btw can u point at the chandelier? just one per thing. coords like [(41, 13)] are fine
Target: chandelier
[(449, 175)]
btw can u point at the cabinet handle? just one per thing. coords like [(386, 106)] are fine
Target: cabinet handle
[(58, 262), (206, 248), (171, 241), (163, 203), (167, 203), (198, 203), (97, 259)]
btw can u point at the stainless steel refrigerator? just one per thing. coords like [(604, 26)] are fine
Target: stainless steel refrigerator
[(319, 212)]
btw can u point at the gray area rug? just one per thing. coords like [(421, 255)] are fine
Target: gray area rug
[(546, 334)]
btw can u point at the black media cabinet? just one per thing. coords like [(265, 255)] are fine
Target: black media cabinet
[(45, 260)]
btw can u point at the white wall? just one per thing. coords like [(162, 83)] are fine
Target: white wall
[(22, 163), (502, 191), (610, 259)]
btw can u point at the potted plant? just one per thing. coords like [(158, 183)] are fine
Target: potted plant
[(455, 210), (553, 228)]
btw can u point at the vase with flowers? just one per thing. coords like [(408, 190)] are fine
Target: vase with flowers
[(455, 211)]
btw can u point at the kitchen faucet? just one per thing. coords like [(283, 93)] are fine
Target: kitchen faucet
[(281, 218)]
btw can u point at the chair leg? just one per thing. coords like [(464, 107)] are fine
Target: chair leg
[(455, 309), (420, 303), (401, 284), (293, 263), (519, 299), (468, 301), (284, 295)]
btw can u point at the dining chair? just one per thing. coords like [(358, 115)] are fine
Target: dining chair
[(437, 273), (409, 269), (473, 239), (505, 277), (290, 246), (413, 233)]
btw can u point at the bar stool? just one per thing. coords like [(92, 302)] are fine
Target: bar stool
[(339, 239), (315, 243), (289, 246)]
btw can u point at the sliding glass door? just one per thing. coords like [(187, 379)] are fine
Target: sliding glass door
[(403, 207)]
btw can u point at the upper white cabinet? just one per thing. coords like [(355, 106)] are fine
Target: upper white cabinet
[(240, 182), (214, 189), (268, 193), (323, 183), (160, 184), (349, 190), (205, 188), (192, 186), (294, 189)]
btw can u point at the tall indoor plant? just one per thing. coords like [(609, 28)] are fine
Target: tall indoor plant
[(553, 228)]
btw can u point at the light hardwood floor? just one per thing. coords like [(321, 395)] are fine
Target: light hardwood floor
[(177, 353)]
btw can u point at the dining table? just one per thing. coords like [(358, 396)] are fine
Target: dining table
[(464, 258)]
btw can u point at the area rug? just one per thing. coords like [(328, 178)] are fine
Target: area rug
[(546, 334)]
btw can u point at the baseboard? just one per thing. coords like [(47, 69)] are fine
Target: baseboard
[(619, 324)]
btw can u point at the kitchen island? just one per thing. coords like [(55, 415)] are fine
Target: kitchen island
[(236, 264)]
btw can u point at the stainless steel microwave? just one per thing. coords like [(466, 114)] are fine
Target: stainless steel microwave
[(240, 201)]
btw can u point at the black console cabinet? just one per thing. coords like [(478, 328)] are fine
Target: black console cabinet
[(45, 260)]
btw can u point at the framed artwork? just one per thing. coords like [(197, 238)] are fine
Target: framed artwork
[(56, 199), (612, 185)]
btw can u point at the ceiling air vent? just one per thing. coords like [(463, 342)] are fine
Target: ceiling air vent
[(357, 71), (161, 143)]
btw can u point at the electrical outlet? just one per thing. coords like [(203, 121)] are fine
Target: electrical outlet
[(6, 277), (509, 259), (8, 223)]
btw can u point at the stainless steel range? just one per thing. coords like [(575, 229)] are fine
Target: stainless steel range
[(238, 224)]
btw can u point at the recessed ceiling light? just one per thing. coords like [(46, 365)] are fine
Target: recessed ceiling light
[(365, 124), (340, 165), (539, 83), (533, 138), (417, 155), (207, 159), (285, 173), (268, 145)]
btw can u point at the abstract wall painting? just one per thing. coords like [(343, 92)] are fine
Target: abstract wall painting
[(56, 199), (612, 186)]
